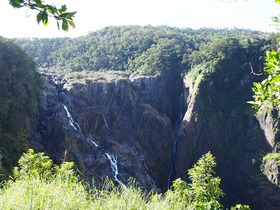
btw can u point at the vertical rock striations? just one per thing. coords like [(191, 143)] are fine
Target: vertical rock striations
[(219, 120), (155, 134), (84, 122)]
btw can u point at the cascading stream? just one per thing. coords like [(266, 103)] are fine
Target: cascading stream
[(93, 142), (72, 123), (114, 167), (105, 122), (112, 158)]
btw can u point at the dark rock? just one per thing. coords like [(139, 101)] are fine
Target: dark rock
[(87, 121), (136, 121)]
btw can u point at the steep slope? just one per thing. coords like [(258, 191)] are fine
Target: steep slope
[(19, 89), (219, 120), (121, 118)]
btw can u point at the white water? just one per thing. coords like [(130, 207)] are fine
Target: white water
[(71, 121), (93, 142), (114, 167), (105, 121)]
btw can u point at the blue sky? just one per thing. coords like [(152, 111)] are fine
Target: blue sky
[(94, 15)]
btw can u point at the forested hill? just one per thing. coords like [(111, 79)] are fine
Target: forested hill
[(19, 90), (148, 49)]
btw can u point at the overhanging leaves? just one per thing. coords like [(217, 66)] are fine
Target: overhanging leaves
[(45, 11)]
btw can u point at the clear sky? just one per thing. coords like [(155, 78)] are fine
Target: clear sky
[(93, 15)]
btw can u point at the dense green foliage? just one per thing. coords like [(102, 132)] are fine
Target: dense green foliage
[(267, 92), (148, 50), (39, 184), (221, 65), (19, 89), (45, 11), (203, 192)]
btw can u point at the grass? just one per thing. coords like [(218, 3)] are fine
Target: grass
[(35, 193), (37, 183), (41, 194)]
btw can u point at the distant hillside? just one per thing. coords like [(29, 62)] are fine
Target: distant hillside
[(134, 48)]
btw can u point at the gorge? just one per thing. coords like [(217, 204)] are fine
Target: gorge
[(175, 96), (121, 134)]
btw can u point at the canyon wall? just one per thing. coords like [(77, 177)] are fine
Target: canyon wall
[(154, 128)]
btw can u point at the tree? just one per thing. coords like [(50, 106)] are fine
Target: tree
[(203, 192), (62, 17), (267, 93), (204, 185)]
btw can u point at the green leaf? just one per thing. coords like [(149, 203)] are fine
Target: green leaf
[(51, 9), (70, 14), (42, 16), (275, 19), (45, 19), (16, 3), (257, 85), (277, 1), (276, 78), (71, 23), (63, 9), (54, 8), (65, 26), (38, 2), (39, 17)]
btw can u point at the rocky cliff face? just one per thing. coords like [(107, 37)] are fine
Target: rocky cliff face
[(219, 120), (126, 120), (155, 128)]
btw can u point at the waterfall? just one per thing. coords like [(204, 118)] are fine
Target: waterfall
[(105, 122), (114, 167), (180, 117), (180, 114), (72, 123), (93, 142), (172, 174)]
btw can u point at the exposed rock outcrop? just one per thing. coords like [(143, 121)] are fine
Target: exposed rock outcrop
[(123, 118), (237, 138), (157, 127)]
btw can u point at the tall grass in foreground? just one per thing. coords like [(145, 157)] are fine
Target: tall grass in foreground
[(35, 193), (39, 184)]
